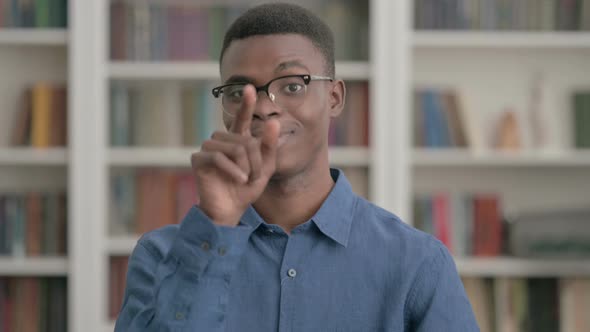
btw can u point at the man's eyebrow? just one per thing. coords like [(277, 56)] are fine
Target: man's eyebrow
[(289, 64), (238, 79)]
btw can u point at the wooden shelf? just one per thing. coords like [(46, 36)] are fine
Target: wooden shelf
[(38, 266), (465, 158), (32, 156), (206, 70), (180, 157), (504, 39), (522, 267), (33, 37)]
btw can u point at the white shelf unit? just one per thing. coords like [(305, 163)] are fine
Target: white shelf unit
[(95, 158), (37, 266), (29, 55), (33, 37)]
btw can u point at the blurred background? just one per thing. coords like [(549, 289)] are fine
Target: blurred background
[(468, 118)]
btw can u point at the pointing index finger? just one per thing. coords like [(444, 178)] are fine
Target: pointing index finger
[(243, 119)]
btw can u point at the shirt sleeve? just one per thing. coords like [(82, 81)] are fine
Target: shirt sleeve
[(186, 286), (437, 300)]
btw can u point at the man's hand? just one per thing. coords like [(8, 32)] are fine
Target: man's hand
[(233, 168)]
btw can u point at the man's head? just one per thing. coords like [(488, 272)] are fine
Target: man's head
[(283, 18), (276, 43)]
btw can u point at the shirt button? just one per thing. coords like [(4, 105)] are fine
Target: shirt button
[(179, 316), (222, 251), (292, 273), (205, 246)]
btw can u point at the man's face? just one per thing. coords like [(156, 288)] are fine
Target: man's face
[(304, 129)]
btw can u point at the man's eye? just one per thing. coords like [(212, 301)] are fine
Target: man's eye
[(234, 93), (293, 88)]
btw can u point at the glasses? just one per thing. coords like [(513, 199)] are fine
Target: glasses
[(287, 92)]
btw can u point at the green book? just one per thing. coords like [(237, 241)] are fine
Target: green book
[(216, 30), (42, 14), (585, 126), (578, 105)]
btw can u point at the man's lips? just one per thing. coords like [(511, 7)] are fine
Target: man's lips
[(285, 131)]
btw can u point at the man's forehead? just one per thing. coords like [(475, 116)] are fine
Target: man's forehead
[(270, 53)]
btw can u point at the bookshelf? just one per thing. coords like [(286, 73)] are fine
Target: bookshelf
[(206, 70), (399, 59), (178, 157), (501, 40), (465, 158), (34, 55), (32, 156), (38, 267), (493, 70), (34, 37), (519, 267)]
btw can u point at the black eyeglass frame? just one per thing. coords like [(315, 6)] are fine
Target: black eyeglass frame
[(217, 91)]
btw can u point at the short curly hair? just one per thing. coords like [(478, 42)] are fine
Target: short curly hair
[(283, 18)]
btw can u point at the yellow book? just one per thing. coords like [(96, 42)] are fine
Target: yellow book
[(41, 119)]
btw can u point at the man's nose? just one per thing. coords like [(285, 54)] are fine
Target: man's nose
[(266, 106)]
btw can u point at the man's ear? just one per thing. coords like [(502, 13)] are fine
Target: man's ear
[(337, 98)]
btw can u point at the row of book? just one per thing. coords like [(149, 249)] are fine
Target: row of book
[(163, 115), (502, 14), (148, 198), (117, 281), (476, 225), (33, 304), (439, 119), (468, 224), (41, 118), (145, 31), (530, 305), (175, 115), (581, 117), (34, 13), (351, 128), (33, 224)]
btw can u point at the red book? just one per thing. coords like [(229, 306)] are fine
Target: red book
[(31, 305), (118, 33), (441, 214), (59, 120), (113, 288), (487, 226), (34, 224), (62, 224)]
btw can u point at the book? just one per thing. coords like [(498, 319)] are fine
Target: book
[(33, 224), (33, 304)]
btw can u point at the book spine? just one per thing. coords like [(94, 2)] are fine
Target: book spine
[(41, 115)]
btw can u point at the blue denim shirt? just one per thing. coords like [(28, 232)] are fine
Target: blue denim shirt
[(352, 267)]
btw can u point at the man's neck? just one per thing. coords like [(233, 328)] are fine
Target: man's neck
[(293, 201)]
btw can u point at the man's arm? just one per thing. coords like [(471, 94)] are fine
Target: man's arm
[(437, 300), (184, 286)]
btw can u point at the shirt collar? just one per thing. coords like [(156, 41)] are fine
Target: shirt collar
[(334, 218)]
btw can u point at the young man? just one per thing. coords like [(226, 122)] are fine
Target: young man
[(278, 240)]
